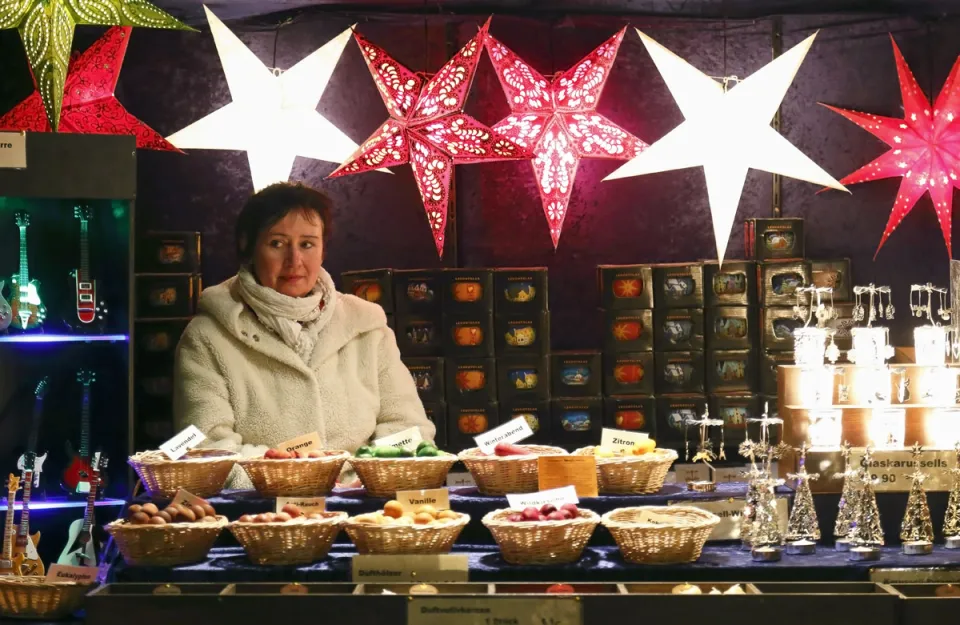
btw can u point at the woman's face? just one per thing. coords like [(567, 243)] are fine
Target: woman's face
[(289, 254)]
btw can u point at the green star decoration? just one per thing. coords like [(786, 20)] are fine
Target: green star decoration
[(46, 28)]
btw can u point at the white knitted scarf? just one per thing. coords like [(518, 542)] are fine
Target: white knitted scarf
[(288, 316)]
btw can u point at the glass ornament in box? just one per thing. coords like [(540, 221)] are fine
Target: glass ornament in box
[(870, 346), (809, 345), (930, 343), (816, 386), (938, 386), (825, 429), (943, 428), (873, 386), (887, 427)]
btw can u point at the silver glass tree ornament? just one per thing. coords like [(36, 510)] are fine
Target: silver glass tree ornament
[(951, 520), (803, 528), (866, 533), (916, 529), (766, 539), (704, 453), (847, 508)]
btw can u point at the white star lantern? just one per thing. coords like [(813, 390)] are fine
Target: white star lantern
[(726, 132), (273, 118)]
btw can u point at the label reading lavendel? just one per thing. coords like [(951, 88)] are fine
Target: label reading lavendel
[(512, 431), (555, 496), (79, 574), (439, 498), (305, 443), (407, 439), (183, 442), (306, 504), (621, 439)]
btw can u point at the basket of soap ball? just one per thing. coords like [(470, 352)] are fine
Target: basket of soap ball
[(639, 470), (281, 473), (545, 535), (395, 530), (202, 472), (288, 537), (660, 534), (178, 534), (509, 469), (33, 597), (384, 470)]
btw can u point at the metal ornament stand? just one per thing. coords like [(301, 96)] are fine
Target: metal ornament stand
[(810, 342), (930, 341), (763, 535), (705, 451), (871, 346)]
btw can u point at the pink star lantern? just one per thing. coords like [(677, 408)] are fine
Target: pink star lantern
[(558, 118), (925, 148), (427, 128), (89, 104)]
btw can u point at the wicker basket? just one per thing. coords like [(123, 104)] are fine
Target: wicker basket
[(33, 598), (165, 545), (541, 542), (202, 472), (383, 477), (296, 542), (304, 477), (405, 539), (499, 475), (632, 475), (680, 540)]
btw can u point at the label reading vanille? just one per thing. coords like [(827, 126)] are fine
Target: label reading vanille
[(439, 498), (494, 611)]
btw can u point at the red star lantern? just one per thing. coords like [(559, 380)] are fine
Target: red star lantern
[(427, 127), (558, 119), (89, 104), (925, 148)]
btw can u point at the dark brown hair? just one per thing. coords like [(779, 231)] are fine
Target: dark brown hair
[(271, 204)]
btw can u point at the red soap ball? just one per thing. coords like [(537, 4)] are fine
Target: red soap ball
[(560, 589), (556, 515), (531, 514), (547, 508), (515, 518), (572, 508)]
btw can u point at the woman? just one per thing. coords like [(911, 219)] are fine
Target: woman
[(276, 352)]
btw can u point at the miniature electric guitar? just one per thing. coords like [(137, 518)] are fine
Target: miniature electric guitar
[(76, 477), (28, 312), (81, 549), (6, 558), (25, 556), (91, 314), (6, 313), (37, 467)]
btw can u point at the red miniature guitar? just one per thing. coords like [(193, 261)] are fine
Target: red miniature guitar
[(78, 474), (89, 310)]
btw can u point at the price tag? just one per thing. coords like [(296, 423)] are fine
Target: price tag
[(439, 498), (78, 574), (407, 439), (725, 475), (891, 469), (655, 518), (730, 511), (445, 567), (460, 478), (494, 611), (556, 497), (577, 471), (621, 439), (305, 443), (683, 473), (513, 431), (185, 498), (13, 150), (187, 439), (306, 504)]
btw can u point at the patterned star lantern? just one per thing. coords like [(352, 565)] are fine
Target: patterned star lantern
[(46, 28), (924, 148), (428, 129), (557, 118), (89, 104)]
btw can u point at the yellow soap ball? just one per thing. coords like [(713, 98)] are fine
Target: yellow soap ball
[(644, 447), (427, 509), (602, 452), (393, 509)]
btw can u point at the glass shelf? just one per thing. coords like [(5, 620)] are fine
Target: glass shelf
[(60, 503), (64, 338)]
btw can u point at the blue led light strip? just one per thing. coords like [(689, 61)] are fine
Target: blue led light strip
[(64, 338)]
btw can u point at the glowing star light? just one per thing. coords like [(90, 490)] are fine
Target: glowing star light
[(428, 129), (273, 118), (46, 28), (559, 120), (925, 148), (726, 132), (89, 104)]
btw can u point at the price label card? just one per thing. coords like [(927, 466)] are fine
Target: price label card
[(439, 498), (307, 442), (556, 497), (890, 470), (407, 439), (184, 498), (512, 431), (730, 511), (655, 518), (176, 447), (306, 504), (577, 471), (445, 567), (684, 473), (494, 611), (78, 574), (13, 150), (621, 439), (460, 478), (723, 475)]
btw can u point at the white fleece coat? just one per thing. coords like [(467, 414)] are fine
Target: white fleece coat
[(246, 390)]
